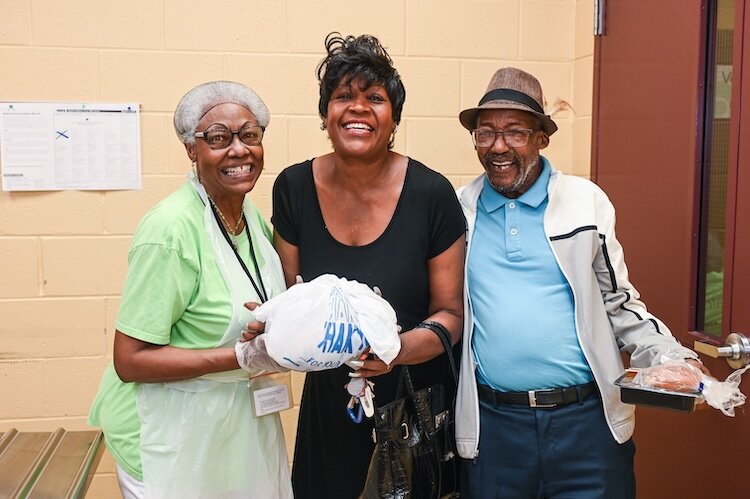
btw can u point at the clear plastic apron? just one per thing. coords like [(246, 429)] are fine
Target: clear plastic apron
[(200, 437)]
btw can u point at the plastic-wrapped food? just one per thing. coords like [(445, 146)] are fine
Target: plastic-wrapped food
[(677, 384), (673, 375), (635, 393)]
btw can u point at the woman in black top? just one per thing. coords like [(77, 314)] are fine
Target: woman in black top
[(367, 213)]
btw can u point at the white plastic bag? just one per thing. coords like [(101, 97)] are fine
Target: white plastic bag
[(724, 395), (326, 322)]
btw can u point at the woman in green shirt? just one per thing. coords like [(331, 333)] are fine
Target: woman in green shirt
[(175, 405)]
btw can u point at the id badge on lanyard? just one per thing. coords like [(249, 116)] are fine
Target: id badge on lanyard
[(271, 393)]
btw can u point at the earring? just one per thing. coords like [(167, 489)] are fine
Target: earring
[(395, 129), (194, 166), (323, 126)]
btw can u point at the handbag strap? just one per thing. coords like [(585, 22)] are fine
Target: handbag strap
[(442, 333)]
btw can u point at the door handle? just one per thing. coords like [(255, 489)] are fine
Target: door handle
[(736, 350)]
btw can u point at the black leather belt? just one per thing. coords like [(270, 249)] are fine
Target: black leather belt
[(539, 398)]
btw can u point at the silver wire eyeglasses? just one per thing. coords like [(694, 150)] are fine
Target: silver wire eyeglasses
[(514, 137), (218, 137)]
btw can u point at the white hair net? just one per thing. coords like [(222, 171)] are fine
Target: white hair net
[(198, 101)]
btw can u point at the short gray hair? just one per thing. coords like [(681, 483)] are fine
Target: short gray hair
[(198, 101)]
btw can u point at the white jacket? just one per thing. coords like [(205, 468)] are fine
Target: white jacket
[(609, 318)]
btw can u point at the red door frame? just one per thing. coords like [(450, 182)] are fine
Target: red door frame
[(738, 200)]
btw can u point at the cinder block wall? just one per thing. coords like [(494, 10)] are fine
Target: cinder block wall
[(63, 254)]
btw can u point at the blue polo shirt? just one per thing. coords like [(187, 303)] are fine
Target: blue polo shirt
[(524, 324)]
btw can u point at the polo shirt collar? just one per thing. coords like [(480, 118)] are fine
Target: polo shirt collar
[(492, 200)]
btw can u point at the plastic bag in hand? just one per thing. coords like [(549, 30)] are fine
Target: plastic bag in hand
[(326, 322), (724, 395)]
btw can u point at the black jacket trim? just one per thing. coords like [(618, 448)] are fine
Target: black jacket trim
[(573, 233), (612, 278)]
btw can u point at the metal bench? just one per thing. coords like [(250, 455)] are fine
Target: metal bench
[(44, 465)]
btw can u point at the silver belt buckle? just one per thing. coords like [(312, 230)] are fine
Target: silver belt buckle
[(532, 400)]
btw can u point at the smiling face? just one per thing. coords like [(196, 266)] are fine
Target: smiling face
[(511, 170), (232, 171), (359, 121)]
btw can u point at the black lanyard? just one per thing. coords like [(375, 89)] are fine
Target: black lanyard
[(262, 290)]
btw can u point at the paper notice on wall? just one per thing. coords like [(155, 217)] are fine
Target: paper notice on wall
[(723, 92), (69, 146)]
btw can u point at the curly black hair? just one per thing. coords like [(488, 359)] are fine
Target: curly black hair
[(360, 57)]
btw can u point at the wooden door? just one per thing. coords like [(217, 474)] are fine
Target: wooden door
[(652, 154)]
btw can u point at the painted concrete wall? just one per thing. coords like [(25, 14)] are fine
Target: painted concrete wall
[(63, 254)]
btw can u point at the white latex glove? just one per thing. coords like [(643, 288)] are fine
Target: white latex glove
[(252, 356)]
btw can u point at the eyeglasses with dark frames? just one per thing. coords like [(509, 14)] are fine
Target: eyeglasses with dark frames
[(219, 137), (513, 137)]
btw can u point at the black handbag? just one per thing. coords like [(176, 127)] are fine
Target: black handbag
[(415, 450)]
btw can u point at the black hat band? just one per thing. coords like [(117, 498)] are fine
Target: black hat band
[(512, 95)]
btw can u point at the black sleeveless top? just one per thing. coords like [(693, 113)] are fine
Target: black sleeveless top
[(332, 453)]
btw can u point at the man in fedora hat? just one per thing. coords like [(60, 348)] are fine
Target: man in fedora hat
[(549, 309)]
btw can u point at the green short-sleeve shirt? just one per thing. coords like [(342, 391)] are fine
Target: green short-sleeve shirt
[(174, 294)]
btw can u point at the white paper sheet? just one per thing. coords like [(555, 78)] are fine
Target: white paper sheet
[(65, 145)]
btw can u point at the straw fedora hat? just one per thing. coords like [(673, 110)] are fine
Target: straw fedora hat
[(511, 88)]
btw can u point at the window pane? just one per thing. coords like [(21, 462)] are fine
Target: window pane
[(713, 218)]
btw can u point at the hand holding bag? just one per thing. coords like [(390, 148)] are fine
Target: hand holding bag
[(415, 455)]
